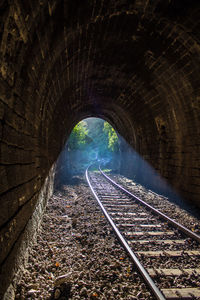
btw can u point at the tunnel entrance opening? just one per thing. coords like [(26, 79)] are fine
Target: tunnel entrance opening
[(92, 141)]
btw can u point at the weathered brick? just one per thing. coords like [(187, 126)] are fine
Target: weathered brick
[(136, 64), (13, 137), (16, 197), (10, 233), (4, 184), (19, 174), (2, 108), (12, 155)]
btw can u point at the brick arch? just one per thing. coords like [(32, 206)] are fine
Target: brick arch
[(135, 63)]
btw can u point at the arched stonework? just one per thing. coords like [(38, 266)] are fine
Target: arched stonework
[(136, 63)]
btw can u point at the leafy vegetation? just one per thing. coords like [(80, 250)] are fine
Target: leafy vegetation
[(95, 137), (111, 136), (78, 136)]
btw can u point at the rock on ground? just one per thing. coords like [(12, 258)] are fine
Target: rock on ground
[(77, 256)]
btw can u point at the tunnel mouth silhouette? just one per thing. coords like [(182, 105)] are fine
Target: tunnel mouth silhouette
[(93, 141)]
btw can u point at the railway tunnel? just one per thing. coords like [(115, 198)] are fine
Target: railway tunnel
[(135, 64)]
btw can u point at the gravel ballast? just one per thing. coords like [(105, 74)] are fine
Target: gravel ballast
[(76, 255)]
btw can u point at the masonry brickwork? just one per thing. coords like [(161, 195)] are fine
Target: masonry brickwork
[(134, 63)]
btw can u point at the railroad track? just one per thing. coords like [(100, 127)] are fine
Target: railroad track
[(166, 254)]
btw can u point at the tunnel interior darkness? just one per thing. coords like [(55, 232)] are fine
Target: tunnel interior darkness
[(133, 63)]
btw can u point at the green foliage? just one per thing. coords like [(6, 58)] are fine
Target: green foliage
[(78, 137), (94, 136), (113, 144)]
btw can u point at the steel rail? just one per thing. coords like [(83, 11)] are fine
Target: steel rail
[(157, 293), (182, 228)]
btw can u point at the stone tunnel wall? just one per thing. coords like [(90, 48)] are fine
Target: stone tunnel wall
[(135, 63), (18, 234)]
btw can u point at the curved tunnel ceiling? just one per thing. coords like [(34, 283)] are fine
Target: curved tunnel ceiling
[(136, 63)]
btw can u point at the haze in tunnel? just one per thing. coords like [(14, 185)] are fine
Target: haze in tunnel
[(93, 141)]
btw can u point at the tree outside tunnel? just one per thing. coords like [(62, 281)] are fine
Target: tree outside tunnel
[(91, 140)]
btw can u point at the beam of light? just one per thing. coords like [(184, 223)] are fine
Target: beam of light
[(91, 144)]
